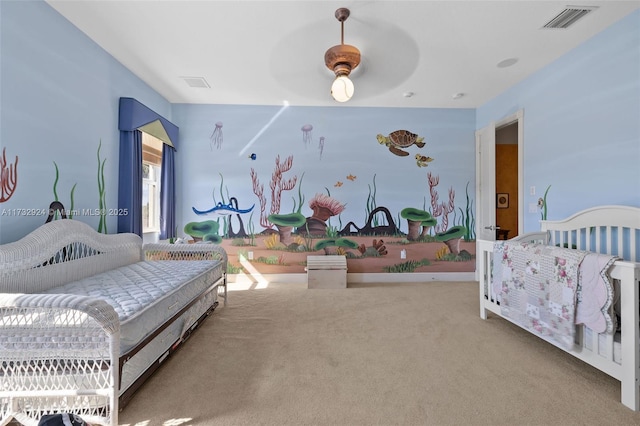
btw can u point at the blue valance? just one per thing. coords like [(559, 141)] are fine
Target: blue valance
[(134, 115)]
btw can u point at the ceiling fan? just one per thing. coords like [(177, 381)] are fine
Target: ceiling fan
[(342, 59)]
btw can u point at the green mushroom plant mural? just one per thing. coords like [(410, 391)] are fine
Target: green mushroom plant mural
[(203, 231), (451, 238), (285, 224), (418, 222), (329, 245)]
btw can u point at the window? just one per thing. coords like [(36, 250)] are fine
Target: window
[(151, 172)]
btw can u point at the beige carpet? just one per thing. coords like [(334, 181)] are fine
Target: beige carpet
[(388, 354)]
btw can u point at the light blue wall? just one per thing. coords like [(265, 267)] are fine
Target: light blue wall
[(581, 124), (58, 100)]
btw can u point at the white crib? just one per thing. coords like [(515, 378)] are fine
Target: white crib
[(613, 230)]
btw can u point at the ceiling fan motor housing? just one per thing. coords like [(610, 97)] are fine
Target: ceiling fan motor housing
[(342, 59)]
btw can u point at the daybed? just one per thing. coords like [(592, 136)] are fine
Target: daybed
[(85, 317), (603, 245)]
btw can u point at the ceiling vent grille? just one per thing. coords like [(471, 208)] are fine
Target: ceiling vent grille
[(568, 16), (199, 82)]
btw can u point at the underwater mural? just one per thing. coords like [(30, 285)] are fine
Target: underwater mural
[(227, 210), (307, 134), (55, 193), (102, 199), (423, 160), (277, 185), (8, 177), (399, 139), (376, 245), (542, 204), (216, 136), (58, 210), (208, 230), (224, 209), (385, 213)]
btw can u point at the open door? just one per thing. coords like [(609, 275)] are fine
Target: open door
[(486, 183), (486, 224)]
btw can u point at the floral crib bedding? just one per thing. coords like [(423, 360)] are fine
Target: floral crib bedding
[(548, 290)]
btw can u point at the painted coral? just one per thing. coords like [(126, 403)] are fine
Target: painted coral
[(8, 177), (277, 185), (324, 207)]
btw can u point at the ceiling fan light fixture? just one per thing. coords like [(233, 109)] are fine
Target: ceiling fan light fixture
[(342, 59), (342, 88)]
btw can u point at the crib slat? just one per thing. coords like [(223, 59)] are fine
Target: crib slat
[(620, 236), (595, 342)]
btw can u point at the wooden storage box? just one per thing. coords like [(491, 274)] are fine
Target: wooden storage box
[(326, 271)]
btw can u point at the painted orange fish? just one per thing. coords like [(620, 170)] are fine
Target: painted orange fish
[(351, 178), (338, 184)]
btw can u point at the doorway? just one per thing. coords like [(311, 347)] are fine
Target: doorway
[(499, 178), (507, 221)]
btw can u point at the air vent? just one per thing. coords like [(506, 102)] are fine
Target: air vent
[(199, 82), (568, 16)]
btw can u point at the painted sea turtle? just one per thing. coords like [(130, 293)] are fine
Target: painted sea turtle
[(400, 139), (423, 160)]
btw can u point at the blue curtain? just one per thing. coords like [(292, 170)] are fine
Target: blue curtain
[(130, 182), (132, 116), (167, 193)]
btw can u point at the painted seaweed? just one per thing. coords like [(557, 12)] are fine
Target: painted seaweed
[(371, 201), (542, 204), (466, 218), (55, 193), (102, 200)]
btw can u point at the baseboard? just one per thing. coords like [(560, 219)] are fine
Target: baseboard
[(409, 277), (359, 277)]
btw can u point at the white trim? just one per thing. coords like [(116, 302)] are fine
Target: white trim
[(382, 277)]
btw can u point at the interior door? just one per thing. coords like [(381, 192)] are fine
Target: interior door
[(486, 183)]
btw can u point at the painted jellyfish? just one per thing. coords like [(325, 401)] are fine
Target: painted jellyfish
[(306, 133), (216, 136), (321, 145)]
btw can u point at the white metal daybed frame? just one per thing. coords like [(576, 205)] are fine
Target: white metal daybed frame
[(611, 230)]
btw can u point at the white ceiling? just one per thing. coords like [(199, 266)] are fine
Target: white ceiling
[(266, 52)]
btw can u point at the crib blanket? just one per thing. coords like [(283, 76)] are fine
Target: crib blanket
[(595, 293), (540, 287)]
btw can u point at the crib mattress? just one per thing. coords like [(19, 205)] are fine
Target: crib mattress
[(146, 294)]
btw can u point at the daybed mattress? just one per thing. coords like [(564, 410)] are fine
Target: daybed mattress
[(146, 294), (136, 365)]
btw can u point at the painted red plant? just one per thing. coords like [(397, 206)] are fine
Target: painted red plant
[(440, 209), (8, 177), (277, 185)]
